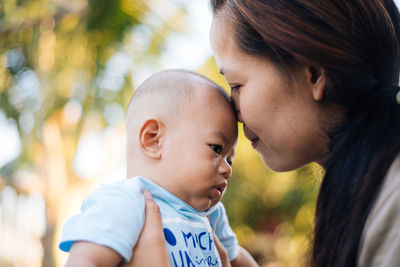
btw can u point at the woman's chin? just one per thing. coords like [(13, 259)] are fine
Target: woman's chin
[(279, 165)]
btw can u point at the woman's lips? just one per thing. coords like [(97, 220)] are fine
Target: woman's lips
[(251, 136)]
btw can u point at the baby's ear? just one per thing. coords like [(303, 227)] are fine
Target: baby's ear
[(151, 135)]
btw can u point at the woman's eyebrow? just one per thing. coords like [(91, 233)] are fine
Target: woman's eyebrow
[(230, 71)]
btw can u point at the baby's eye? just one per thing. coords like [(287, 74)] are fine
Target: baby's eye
[(229, 161), (217, 148)]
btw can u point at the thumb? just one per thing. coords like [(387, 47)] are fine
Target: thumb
[(150, 249), (152, 222)]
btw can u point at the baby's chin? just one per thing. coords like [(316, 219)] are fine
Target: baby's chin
[(214, 202), (206, 207)]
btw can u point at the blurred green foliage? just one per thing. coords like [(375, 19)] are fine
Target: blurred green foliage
[(53, 53)]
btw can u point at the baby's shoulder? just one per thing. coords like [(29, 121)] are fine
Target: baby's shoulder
[(218, 211), (126, 191)]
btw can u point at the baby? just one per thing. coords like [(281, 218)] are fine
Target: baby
[(181, 137)]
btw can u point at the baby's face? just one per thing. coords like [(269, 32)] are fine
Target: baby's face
[(199, 152)]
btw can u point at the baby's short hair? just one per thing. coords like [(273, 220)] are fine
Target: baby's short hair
[(170, 87), (173, 82)]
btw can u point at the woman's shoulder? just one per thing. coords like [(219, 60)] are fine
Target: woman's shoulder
[(380, 234), (391, 184), (390, 190), (394, 170)]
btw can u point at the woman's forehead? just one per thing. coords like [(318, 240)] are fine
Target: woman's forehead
[(224, 48)]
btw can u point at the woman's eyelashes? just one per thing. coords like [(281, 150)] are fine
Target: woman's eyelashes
[(217, 148), (235, 88)]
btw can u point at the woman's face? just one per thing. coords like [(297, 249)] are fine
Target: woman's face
[(280, 114)]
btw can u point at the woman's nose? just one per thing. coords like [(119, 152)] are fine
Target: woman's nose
[(235, 100)]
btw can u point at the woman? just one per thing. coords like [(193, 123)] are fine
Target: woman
[(317, 81)]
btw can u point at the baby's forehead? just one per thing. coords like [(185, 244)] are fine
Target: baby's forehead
[(217, 113)]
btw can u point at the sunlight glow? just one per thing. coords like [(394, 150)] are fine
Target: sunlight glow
[(9, 140)]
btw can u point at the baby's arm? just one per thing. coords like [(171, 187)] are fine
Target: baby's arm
[(92, 255), (226, 242), (243, 259)]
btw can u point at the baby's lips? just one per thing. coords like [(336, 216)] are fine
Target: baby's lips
[(221, 187)]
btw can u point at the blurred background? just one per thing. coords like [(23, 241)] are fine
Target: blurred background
[(67, 71)]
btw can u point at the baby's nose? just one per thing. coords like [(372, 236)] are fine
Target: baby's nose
[(225, 168)]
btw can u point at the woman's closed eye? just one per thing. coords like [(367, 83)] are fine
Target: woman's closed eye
[(217, 148), (235, 88)]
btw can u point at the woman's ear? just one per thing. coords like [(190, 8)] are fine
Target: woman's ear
[(151, 135), (317, 78)]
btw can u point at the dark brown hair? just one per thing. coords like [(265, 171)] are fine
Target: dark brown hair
[(356, 42)]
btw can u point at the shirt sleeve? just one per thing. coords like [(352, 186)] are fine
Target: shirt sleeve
[(220, 224), (111, 216), (380, 244)]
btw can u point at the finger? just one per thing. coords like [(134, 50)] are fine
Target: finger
[(153, 222), (150, 249), (223, 254)]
